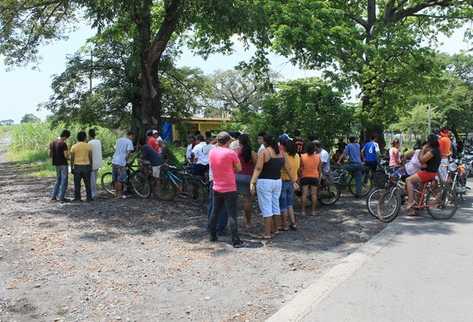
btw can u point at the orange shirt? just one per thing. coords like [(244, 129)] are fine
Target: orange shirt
[(310, 166), (445, 146)]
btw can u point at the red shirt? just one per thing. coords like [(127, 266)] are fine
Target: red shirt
[(153, 143), (222, 164)]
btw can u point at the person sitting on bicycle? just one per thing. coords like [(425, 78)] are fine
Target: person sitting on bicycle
[(353, 153), (430, 158), (149, 154), (370, 153)]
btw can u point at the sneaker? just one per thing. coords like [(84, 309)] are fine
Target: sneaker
[(53, 199), (65, 200), (237, 243), (213, 238)]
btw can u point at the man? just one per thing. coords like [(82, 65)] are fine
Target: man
[(223, 217), (299, 141), (190, 145), (59, 153), (234, 143), (201, 156), (154, 158), (354, 166), (445, 147), (324, 158), (123, 149), (224, 164), (260, 141), (96, 146), (370, 154), (152, 140), (81, 165)]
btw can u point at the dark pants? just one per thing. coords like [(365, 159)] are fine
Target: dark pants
[(356, 169), (227, 201), (82, 172), (200, 170), (222, 216)]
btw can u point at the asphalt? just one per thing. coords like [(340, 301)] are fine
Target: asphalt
[(416, 270)]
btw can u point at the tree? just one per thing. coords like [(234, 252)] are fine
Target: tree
[(309, 105), (377, 46), (30, 118), (150, 25), (100, 84)]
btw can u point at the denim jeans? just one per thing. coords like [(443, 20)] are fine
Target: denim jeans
[(356, 170), (286, 200), (227, 201), (60, 187), (222, 216), (93, 183), (82, 172)]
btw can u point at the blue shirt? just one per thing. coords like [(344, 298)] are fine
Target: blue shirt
[(149, 154), (352, 150), (370, 151)]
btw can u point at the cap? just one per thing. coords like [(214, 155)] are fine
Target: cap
[(155, 132)]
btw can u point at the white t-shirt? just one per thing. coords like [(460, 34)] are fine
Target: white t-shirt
[(96, 154), (189, 153), (414, 165), (325, 158), (261, 148), (201, 153), (123, 147), (211, 178)]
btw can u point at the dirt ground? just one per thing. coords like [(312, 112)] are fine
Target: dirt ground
[(145, 260)]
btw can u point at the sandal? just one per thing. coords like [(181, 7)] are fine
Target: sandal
[(293, 227), (410, 206)]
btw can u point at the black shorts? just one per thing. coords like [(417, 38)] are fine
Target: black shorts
[(310, 182)]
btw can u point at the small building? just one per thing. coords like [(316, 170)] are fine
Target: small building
[(194, 124)]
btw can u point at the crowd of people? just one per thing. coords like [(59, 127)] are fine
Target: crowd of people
[(271, 173)]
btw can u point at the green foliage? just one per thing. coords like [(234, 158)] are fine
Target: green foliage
[(30, 118), (309, 105), (416, 121)]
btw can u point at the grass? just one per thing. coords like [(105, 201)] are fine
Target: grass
[(30, 144)]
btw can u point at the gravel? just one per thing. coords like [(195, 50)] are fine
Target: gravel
[(135, 260)]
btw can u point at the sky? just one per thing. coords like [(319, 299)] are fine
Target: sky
[(22, 88)]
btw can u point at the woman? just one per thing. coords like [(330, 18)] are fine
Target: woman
[(289, 183), (248, 160), (395, 154), (311, 168), (430, 158), (266, 181)]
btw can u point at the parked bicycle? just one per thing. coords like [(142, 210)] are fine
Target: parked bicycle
[(170, 182), (343, 179)]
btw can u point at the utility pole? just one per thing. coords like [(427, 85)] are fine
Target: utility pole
[(91, 74), (430, 118)]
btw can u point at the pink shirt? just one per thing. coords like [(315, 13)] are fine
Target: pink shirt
[(394, 157), (222, 164)]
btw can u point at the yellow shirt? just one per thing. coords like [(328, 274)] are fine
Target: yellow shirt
[(80, 151), (294, 164)]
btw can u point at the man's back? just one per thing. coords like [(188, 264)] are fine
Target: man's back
[(96, 146), (81, 152), (58, 148), (149, 154), (370, 151), (445, 146), (352, 150), (222, 164), (122, 148)]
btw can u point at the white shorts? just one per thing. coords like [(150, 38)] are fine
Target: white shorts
[(269, 191), (156, 171)]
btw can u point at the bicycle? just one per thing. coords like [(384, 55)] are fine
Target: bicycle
[(438, 200), (170, 182), (343, 179), (107, 183), (329, 192)]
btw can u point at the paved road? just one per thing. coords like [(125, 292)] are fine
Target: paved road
[(424, 274)]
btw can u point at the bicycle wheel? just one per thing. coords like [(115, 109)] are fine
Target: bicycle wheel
[(365, 185), (165, 189), (329, 194), (141, 185), (107, 183), (442, 203), (383, 204)]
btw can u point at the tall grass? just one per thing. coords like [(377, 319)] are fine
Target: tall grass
[(30, 144)]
